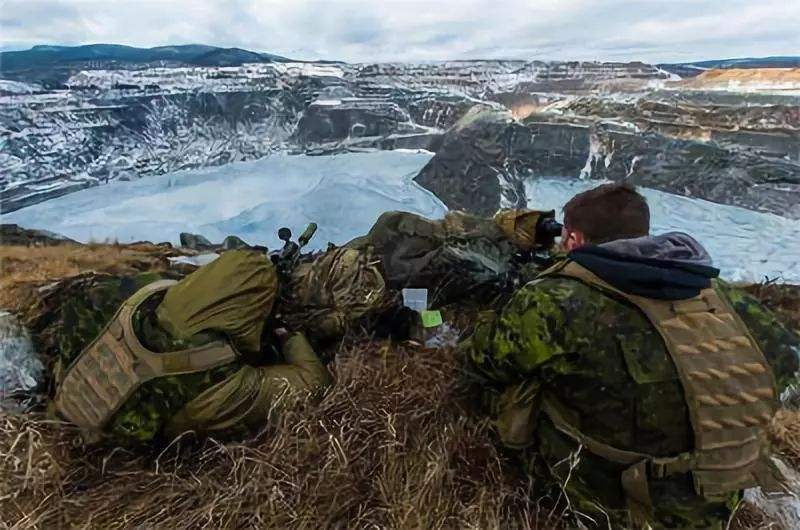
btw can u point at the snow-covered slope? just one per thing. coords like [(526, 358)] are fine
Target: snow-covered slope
[(121, 123)]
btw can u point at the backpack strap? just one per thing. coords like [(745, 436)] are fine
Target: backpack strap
[(728, 386), (640, 466)]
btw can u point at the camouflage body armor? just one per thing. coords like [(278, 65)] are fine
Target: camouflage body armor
[(728, 386), (334, 291), (116, 364)]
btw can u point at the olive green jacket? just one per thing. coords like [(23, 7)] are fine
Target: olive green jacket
[(231, 297)]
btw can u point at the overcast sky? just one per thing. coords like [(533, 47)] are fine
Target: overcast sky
[(409, 30)]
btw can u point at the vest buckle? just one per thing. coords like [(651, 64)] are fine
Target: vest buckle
[(664, 467)]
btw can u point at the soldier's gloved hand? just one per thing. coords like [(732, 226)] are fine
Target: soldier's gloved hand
[(282, 334), (528, 229)]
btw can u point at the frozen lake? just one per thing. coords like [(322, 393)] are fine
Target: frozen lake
[(745, 245), (344, 194)]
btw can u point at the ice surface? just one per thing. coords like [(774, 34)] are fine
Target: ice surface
[(745, 245), (344, 194)]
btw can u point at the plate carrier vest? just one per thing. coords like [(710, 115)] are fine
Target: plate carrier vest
[(116, 364), (729, 390)]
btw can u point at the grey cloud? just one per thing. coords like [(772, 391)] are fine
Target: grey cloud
[(365, 30), (11, 23), (362, 30)]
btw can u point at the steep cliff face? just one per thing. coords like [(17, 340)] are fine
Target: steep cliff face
[(337, 120), (763, 125), (485, 157), (471, 170), (697, 169), (56, 146)]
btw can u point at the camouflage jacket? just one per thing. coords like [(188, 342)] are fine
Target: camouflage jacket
[(229, 400), (610, 366), (337, 291), (459, 254)]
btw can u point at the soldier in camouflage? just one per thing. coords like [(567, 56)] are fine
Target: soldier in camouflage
[(229, 300), (115, 336), (460, 254), (615, 373)]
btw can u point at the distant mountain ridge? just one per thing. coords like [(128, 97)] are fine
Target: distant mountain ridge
[(695, 68), (54, 64)]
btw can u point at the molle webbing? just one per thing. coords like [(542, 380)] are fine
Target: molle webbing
[(116, 364), (728, 385)]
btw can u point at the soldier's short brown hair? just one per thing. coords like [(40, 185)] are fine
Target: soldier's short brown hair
[(608, 212)]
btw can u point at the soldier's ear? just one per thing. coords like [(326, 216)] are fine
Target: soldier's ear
[(574, 239)]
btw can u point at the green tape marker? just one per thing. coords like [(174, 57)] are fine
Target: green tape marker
[(431, 319)]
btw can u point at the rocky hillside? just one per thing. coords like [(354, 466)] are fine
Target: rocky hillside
[(595, 120), (746, 78), (698, 67), (53, 65), (131, 122), (484, 159)]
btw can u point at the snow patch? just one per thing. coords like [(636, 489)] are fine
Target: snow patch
[(326, 103), (196, 261), (15, 87), (20, 368)]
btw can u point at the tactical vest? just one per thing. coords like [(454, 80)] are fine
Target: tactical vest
[(116, 364), (728, 386)]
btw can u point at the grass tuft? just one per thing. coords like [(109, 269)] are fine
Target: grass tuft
[(389, 446)]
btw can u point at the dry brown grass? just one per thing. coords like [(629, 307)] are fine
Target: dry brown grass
[(23, 268), (388, 447), (750, 517), (785, 435)]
